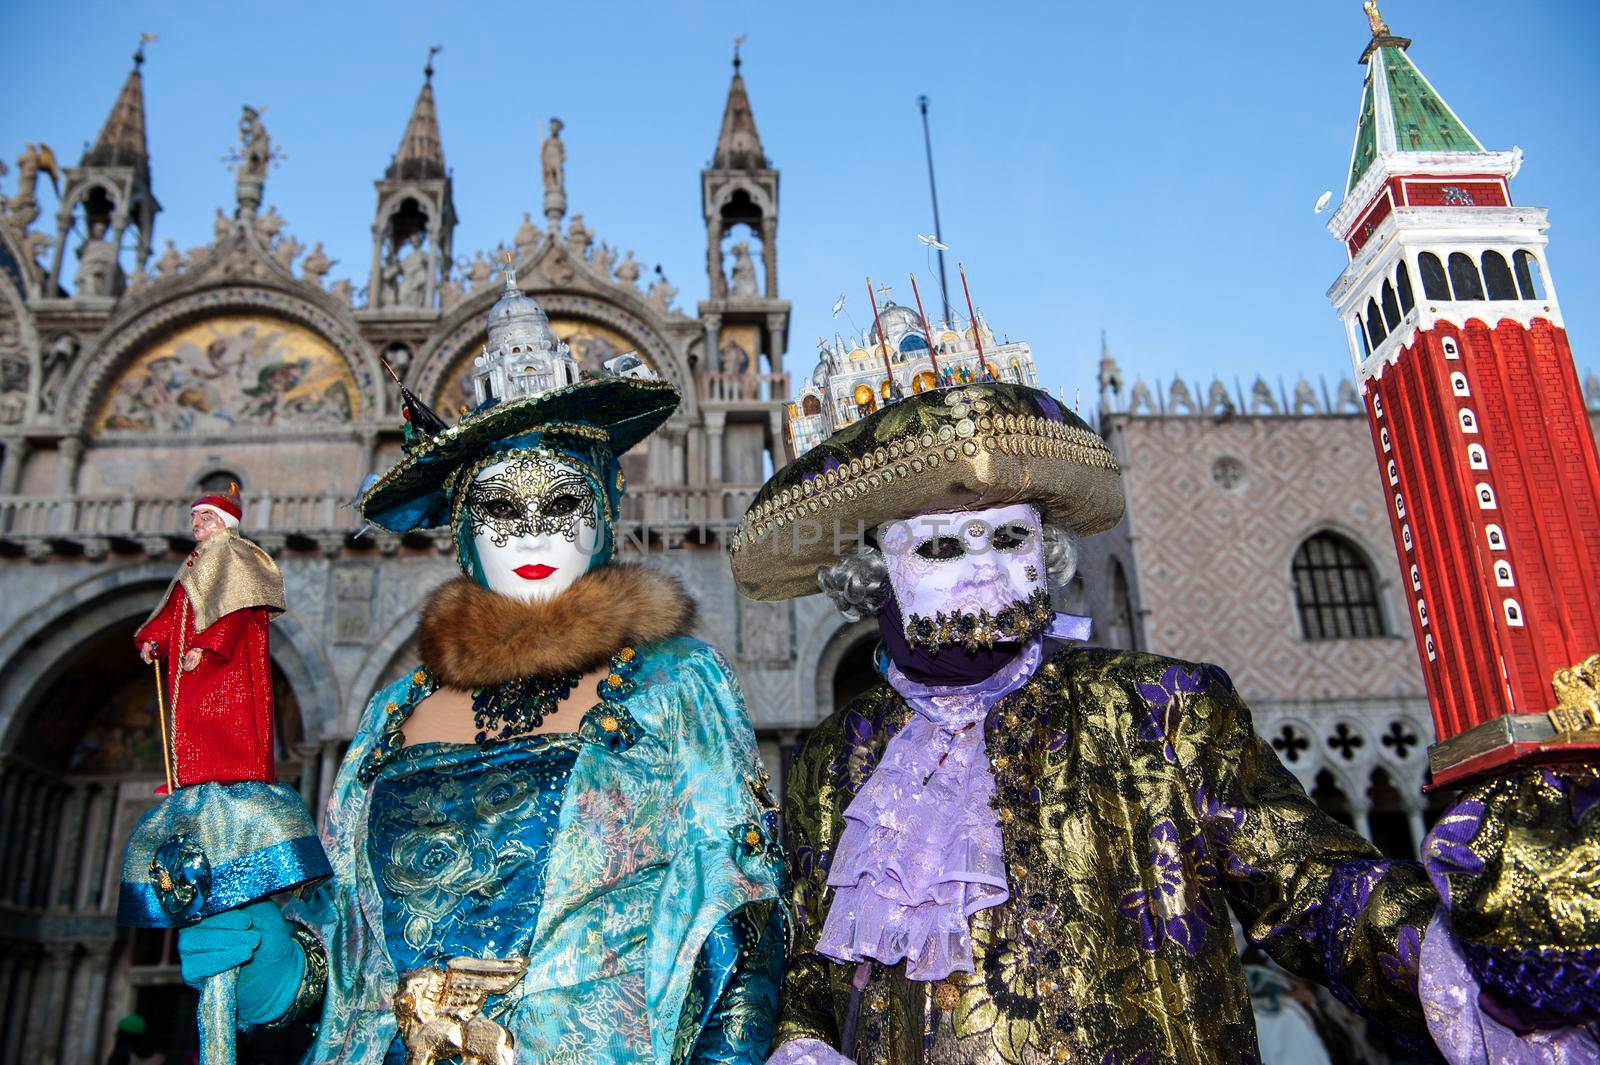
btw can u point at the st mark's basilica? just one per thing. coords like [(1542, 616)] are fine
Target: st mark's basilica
[(134, 374)]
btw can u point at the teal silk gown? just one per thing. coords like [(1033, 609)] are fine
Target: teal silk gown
[(633, 862)]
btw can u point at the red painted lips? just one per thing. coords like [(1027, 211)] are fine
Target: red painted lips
[(534, 571)]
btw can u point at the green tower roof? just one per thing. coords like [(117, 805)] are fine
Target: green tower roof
[(1402, 112)]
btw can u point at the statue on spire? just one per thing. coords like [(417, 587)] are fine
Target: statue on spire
[(251, 160), (1380, 28), (553, 163)]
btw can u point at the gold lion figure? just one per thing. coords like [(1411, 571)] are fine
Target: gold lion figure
[(438, 1011)]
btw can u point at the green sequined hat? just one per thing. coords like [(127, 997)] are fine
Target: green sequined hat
[(946, 449)]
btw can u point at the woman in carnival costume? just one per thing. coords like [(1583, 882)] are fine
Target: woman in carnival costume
[(550, 840), (1015, 849)]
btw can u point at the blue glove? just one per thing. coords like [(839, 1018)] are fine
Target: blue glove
[(256, 940)]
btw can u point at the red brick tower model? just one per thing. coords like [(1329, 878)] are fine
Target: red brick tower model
[(1479, 425)]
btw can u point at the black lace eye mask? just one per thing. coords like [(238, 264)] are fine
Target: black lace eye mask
[(531, 496)]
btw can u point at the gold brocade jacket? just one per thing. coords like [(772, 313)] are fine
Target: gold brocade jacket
[(1136, 803)]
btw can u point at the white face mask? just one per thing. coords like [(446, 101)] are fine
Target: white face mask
[(535, 525), (970, 578)]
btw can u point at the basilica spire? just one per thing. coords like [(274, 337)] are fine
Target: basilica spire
[(421, 151), (122, 140), (738, 145)]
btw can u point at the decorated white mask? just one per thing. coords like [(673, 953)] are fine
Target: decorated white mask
[(970, 578), (534, 525)]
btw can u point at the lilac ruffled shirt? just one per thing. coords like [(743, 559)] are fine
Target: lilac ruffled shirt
[(920, 851)]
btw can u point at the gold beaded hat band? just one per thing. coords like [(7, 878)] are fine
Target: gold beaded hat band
[(963, 448)]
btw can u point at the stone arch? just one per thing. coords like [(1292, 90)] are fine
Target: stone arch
[(846, 640), (33, 649), (124, 338), (462, 333), (378, 664)]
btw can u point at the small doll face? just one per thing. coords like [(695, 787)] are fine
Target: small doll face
[(535, 525), (973, 577), (204, 523)]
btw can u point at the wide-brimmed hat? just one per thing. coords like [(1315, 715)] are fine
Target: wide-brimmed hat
[(963, 448), (610, 414)]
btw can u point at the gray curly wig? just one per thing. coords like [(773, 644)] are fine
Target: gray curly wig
[(858, 582)]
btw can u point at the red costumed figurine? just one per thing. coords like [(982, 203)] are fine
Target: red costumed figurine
[(210, 634)]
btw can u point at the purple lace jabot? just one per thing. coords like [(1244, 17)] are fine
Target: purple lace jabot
[(920, 851)]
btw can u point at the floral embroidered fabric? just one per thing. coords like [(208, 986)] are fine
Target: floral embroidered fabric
[(459, 839), (920, 852)]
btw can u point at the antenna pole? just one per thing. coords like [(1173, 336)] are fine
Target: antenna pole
[(933, 190)]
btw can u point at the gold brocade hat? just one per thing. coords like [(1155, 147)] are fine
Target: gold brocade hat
[(962, 448)]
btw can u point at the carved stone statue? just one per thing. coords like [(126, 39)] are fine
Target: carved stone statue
[(316, 265), (553, 169), (171, 260), (286, 250), (1380, 28), (344, 290), (603, 258), (22, 209), (13, 371), (744, 271), (481, 273), (58, 358), (1218, 403), (99, 275), (256, 144), (628, 271), (269, 224), (527, 238), (578, 236), (662, 292), (221, 226), (408, 276)]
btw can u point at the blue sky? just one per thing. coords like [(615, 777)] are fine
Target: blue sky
[(1144, 168)]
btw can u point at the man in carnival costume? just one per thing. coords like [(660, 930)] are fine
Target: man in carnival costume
[(1019, 850), (210, 633), (550, 840)]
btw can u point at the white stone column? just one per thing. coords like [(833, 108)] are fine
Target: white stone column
[(16, 451)]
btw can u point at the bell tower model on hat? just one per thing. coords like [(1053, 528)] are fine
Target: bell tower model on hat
[(1482, 439)]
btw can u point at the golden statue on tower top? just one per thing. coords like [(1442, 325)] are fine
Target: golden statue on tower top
[(1380, 28)]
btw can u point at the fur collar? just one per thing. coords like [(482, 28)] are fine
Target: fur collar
[(470, 637)]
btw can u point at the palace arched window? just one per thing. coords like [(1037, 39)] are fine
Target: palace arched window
[(1434, 284), (1383, 438), (1477, 458), (1361, 335), (1464, 279), (1377, 405), (1416, 578), (1513, 613), (1529, 279), (1496, 538), (1502, 574), (1405, 536), (1402, 279), (1497, 277), (1399, 505), (1469, 421), (1427, 644), (1451, 349), (1458, 384), (1335, 590), (1391, 307), (1394, 473), (1375, 330), (219, 480), (1486, 497), (810, 406)]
